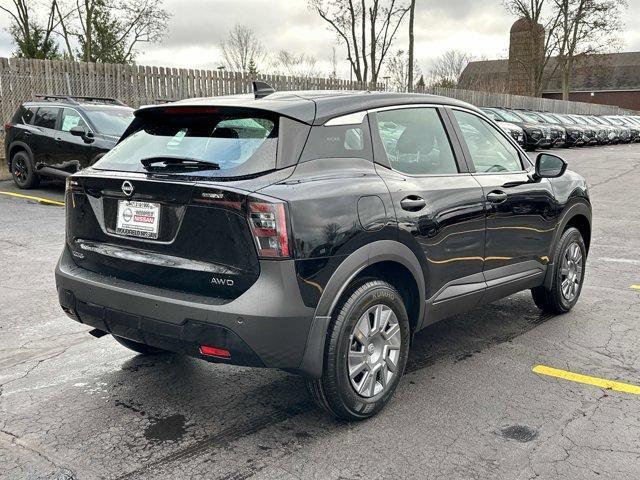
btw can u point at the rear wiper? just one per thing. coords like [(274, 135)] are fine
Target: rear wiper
[(182, 161)]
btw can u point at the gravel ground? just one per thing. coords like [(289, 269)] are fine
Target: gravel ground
[(73, 406)]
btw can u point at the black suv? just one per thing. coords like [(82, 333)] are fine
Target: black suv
[(59, 135), (536, 135), (315, 232)]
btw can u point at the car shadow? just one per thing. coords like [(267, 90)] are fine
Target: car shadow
[(180, 407)]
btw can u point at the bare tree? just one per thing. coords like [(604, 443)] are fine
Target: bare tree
[(447, 68), (366, 27), (110, 30), (241, 47), (412, 14), (33, 38), (586, 27), (302, 65), (397, 69)]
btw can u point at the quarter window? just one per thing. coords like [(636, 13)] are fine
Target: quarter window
[(415, 141), (70, 119), (490, 150), (340, 141), (46, 117)]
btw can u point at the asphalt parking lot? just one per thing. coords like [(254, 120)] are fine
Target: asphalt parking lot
[(470, 405)]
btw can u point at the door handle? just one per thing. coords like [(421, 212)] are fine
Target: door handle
[(58, 139), (497, 196), (413, 203)]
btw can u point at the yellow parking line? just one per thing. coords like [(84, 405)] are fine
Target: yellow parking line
[(37, 199), (586, 379), (635, 287)]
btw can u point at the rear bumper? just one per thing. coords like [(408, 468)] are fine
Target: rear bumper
[(267, 326)]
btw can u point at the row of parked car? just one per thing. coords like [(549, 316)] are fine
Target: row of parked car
[(535, 130)]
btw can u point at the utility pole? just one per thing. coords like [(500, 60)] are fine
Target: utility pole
[(412, 14)]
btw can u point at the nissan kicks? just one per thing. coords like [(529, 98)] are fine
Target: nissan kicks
[(315, 232)]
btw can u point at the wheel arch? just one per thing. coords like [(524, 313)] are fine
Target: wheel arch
[(16, 147), (579, 216), (387, 259)]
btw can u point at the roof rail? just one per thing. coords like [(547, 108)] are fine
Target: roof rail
[(73, 99), (262, 89)]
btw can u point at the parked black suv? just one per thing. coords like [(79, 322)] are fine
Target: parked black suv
[(536, 135), (56, 136), (315, 232)]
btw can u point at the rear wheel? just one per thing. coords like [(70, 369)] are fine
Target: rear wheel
[(23, 171), (365, 354), (568, 275), (142, 348)]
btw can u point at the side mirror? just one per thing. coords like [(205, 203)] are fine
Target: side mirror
[(549, 166), (82, 133), (78, 131)]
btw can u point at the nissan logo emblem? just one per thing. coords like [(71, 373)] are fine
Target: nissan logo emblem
[(127, 188)]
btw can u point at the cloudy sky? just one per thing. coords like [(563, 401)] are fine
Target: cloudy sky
[(479, 27)]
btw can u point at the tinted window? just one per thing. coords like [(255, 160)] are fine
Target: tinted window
[(239, 144), (415, 141), (23, 115), (492, 115), (46, 117), (110, 120), (509, 116), (70, 119), (342, 141), (490, 150)]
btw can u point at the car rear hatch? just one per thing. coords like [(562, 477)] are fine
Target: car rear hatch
[(170, 222)]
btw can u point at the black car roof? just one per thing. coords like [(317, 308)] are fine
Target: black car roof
[(318, 106)]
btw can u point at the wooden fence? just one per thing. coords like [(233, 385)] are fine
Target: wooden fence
[(135, 85)]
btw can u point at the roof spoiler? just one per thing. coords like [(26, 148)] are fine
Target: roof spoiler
[(262, 89)]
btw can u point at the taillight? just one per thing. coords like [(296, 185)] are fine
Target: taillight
[(7, 126), (268, 223)]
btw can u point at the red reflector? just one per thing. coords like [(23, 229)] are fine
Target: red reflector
[(7, 126), (214, 352)]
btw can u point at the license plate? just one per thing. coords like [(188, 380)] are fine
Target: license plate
[(138, 219)]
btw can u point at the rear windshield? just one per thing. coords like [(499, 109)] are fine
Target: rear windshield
[(237, 143), (110, 120)]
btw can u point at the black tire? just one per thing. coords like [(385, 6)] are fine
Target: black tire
[(141, 348), (553, 300), (23, 171), (334, 391)]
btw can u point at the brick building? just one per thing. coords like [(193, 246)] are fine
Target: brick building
[(610, 79)]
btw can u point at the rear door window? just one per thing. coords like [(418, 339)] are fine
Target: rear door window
[(46, 117), (415, 141), (237, 143)]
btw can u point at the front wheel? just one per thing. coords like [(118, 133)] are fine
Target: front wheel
[(568, 275), (366, 352)]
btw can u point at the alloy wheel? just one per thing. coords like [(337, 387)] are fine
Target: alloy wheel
[(374, 350), (20, 170), (571, 271)]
